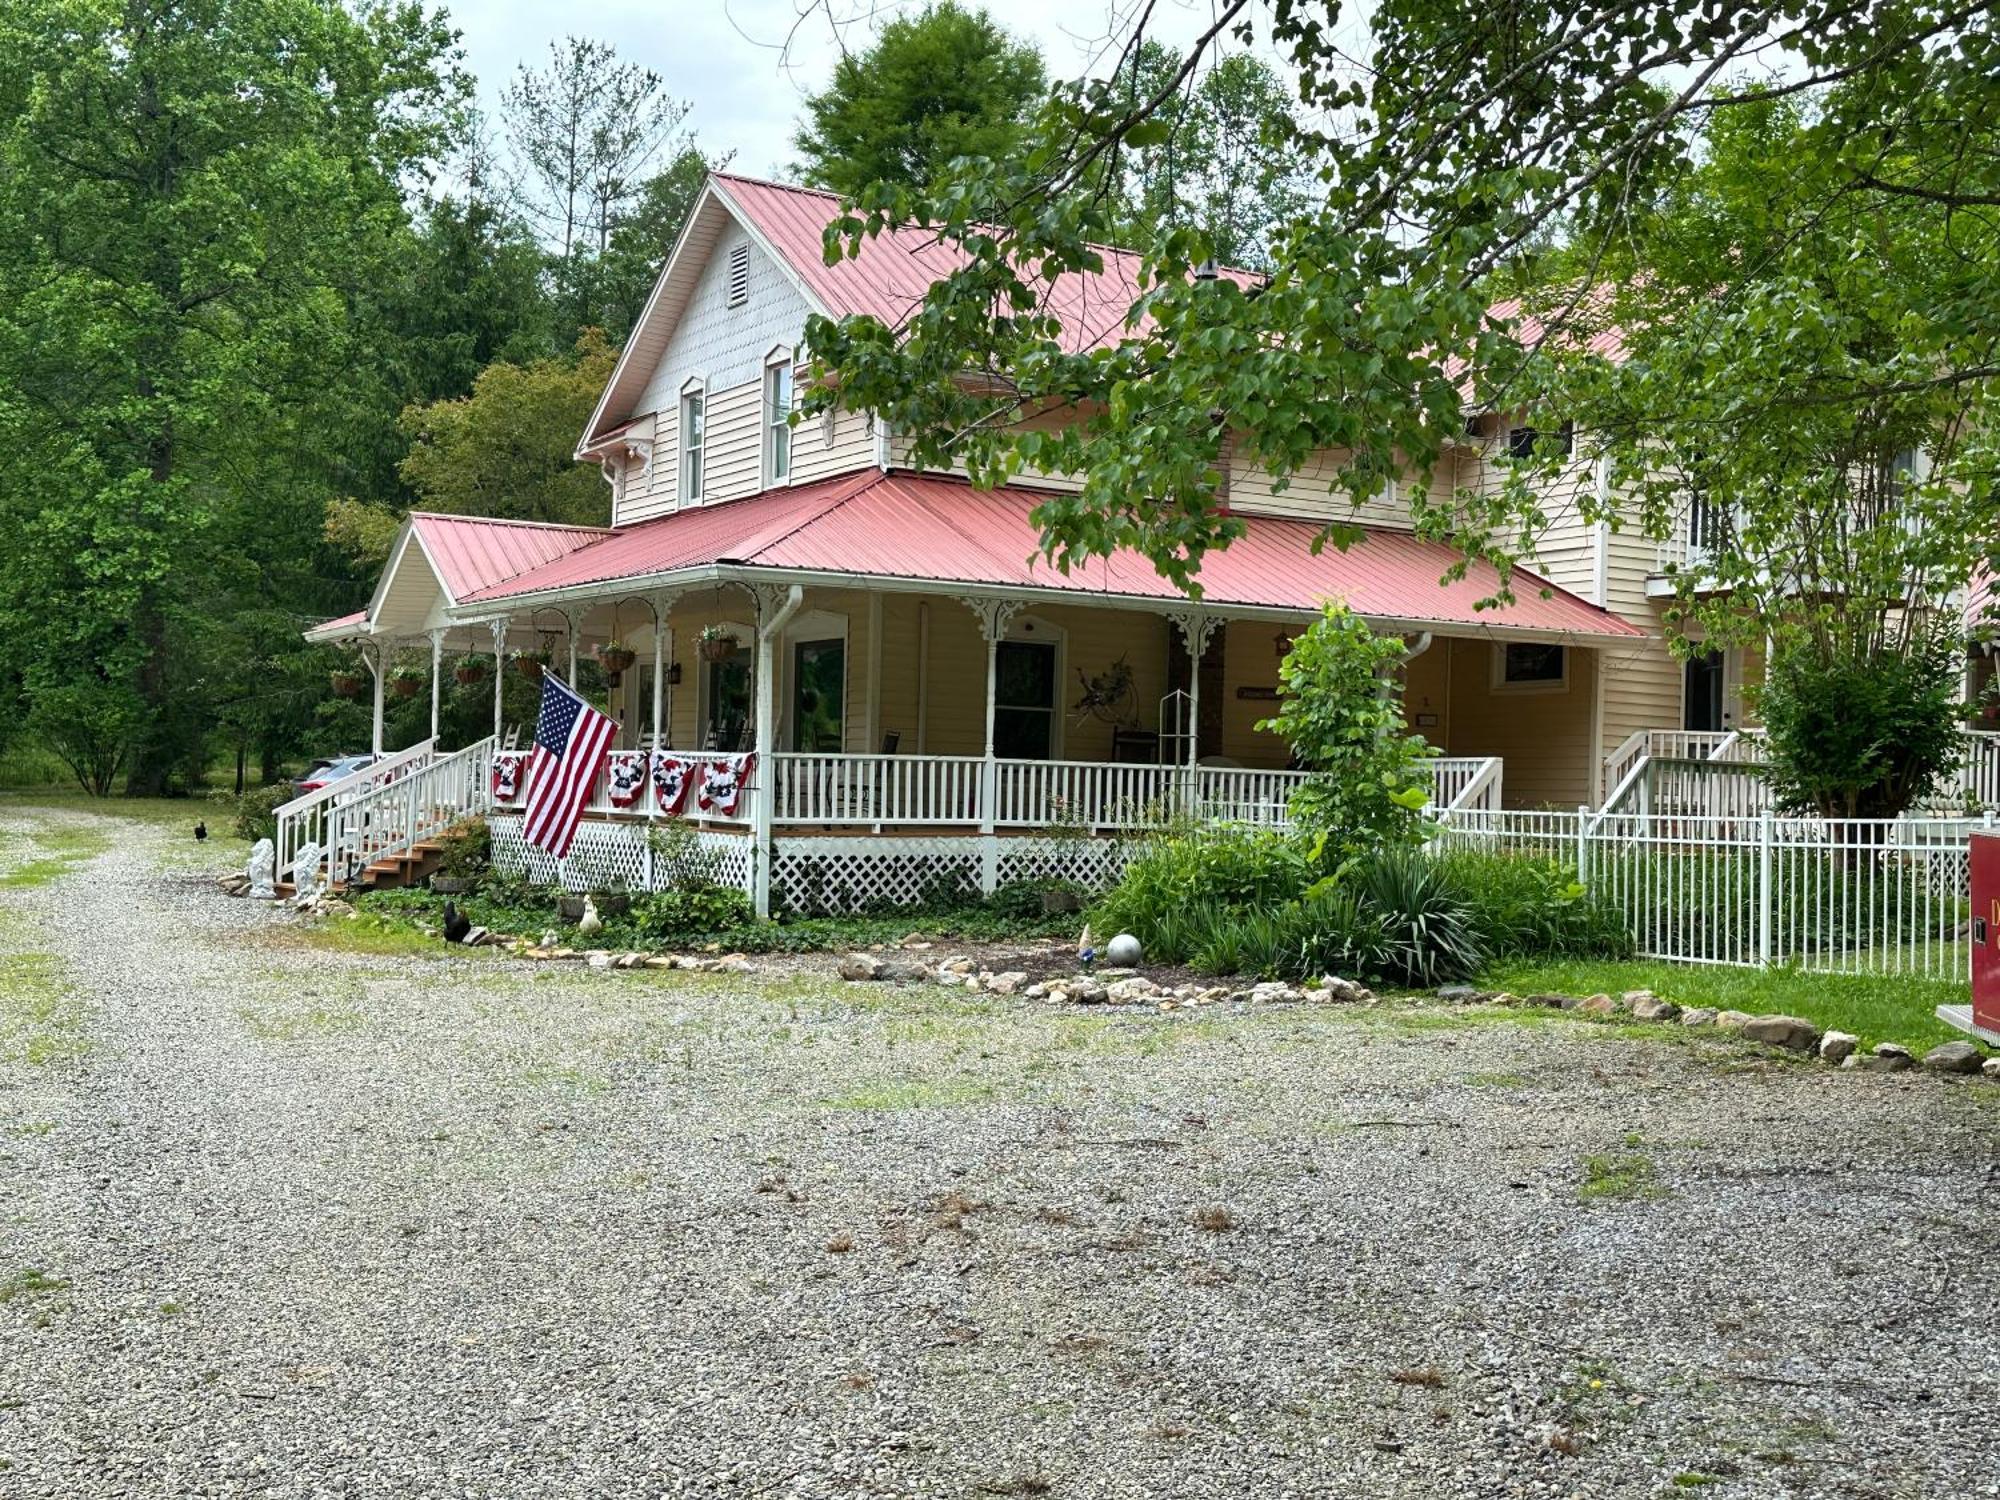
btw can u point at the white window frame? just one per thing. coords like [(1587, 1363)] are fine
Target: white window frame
[(1500, 684), (693, 474), (777, 427)]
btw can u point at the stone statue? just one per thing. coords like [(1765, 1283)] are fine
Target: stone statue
[(261, 869), (308, 870)]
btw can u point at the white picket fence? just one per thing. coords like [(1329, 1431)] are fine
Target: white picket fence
[(1881, 896)]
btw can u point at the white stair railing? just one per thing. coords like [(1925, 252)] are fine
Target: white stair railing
[(385, 821), (303, 820), (1466, 782)]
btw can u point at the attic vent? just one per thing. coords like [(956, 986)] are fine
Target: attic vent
[(739, 274)]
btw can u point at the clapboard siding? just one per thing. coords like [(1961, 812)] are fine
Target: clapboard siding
[(734, 428)]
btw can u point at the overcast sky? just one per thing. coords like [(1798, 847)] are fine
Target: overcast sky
[(730, 59)]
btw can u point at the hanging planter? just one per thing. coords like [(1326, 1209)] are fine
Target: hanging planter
[(470, 669), (346, 684), (531, 664), (616, 657), (406, 682), (715, 643)]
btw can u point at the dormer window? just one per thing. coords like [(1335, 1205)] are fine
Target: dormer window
[(739, 274), (778, 416), (692, 443)]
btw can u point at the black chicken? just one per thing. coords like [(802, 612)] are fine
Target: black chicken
[(200, 830), (456, 925)]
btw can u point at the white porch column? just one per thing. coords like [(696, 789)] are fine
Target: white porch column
[(1197, 628), (437, 668), (776, 604), (499, 629), (663, 658), (570, 621), (994, 616), (377, 661)]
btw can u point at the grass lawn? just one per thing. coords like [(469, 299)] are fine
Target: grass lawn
[(1876, 1010)]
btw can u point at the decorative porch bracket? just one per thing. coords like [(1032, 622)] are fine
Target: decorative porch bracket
[(994, 616)]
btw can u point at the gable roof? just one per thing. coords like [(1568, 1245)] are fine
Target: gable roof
[(934, 529), (886, 278), (475, 552)]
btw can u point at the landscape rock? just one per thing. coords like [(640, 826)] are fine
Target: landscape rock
[(1454, 994), (1790, 1032), (737, 963), (860, 966), (474, 938), (234, 884), (1598, 1005), (1090, 993), (1647, 1006), (1889, 1058), (1633, 998), (1836, 1046), (1991, 1068), (1954, 1057), (1733, 1020), (1546, 1000), (1698, 1015), (1346, 992), (1007, 983)]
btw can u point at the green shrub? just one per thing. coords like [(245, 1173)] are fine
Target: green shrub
[(1227, 868), (467, 849), (254, 814), (676, 915), (1862, 733), (1427, 931), (1522, 906)]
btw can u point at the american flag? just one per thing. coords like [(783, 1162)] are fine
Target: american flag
[(570, 740)]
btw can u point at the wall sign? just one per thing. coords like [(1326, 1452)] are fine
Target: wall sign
[(1258, 694)]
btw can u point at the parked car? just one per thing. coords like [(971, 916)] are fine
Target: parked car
[(328, 769)]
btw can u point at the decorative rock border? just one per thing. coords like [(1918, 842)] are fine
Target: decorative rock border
[(1789, 1033), (1111, 986)]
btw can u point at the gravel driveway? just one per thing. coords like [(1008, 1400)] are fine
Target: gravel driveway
[(281, 1221)]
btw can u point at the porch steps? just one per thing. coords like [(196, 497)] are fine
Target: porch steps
[(392, 872)]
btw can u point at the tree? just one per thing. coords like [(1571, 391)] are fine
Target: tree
[(585, 130), (944, 83), (622, 277), (194, 203), (1474, 142), (505, 450), (1342, 714)]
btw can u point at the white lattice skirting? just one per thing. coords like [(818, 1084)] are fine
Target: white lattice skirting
[(607, 853), (815, 875)]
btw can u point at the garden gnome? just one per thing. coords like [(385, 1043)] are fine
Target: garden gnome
[(262, 869)]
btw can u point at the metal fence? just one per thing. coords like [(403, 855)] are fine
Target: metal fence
[(1881, 896)]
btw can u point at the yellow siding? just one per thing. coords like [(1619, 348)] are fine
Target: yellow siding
[(814, 456), (655, 495), (1544, 737), (1310, 496), (734, 431)]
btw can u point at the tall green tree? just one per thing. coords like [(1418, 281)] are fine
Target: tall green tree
[(943, 83), (195, 200), (505, 449), (1474, 138)]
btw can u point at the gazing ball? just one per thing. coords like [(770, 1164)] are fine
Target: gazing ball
[(1124, 951)]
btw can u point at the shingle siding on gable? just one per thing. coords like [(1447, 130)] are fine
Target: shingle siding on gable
[(723, 345)]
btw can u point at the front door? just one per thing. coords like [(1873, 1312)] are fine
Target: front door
[(819, 690), (729, 705), (1024, 700), (1701, 701)]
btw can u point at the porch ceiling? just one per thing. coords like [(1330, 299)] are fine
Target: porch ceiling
[(921, 530)]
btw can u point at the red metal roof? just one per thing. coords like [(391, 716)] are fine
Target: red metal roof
[(475, 552), (926, 527), (891, 272)]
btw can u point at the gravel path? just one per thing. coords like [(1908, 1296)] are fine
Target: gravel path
[(303, 1223)]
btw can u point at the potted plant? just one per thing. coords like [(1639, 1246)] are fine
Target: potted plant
[(406, 682), (531, 664), (469, 669), (616, 657), (346, 684), (715, 643)]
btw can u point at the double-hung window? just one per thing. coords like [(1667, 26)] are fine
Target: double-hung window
[(692, 445), (777, 419)]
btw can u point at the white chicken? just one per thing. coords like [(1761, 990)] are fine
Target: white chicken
[(590, 921)]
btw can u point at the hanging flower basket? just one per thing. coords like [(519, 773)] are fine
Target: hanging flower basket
[(616, 657), (406, 683), (346, 684), (716, 644), (470, 669), (530, 665)]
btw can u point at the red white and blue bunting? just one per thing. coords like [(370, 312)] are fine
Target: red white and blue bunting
[(671, 779), (507, 775), (722, 784), (626, 777)]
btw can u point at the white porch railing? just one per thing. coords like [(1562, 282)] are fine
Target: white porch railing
[(389, 819), (303, 820), (1670, 744), (876, 790), (1462, 782)]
